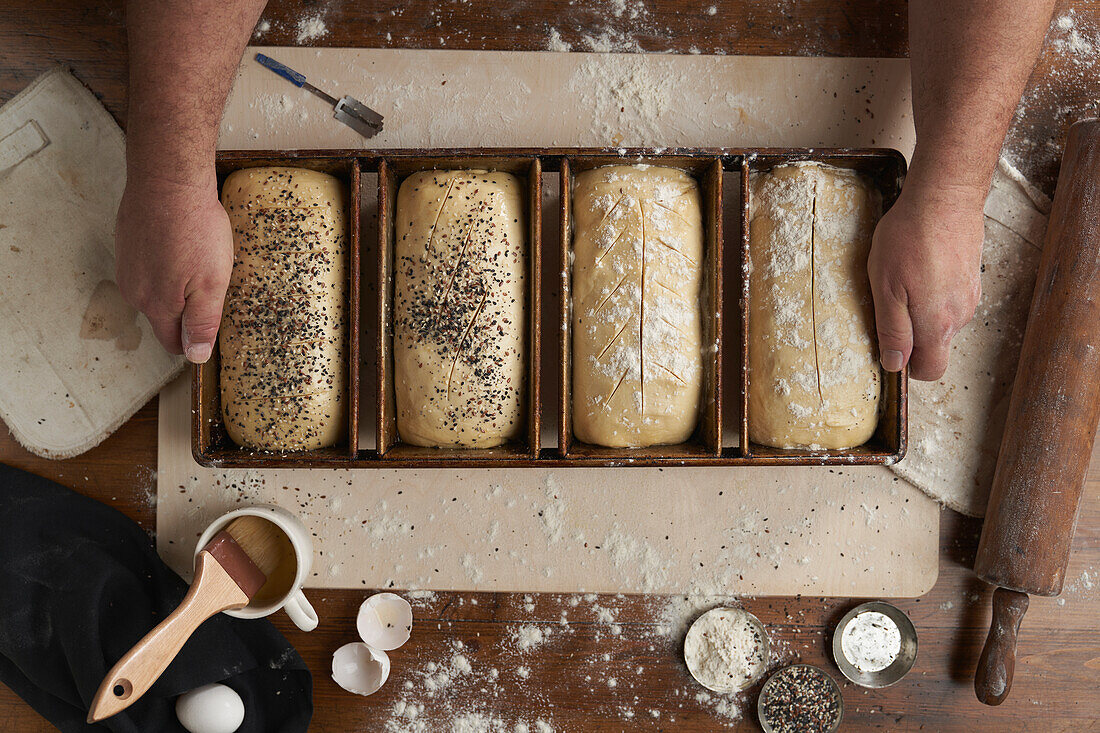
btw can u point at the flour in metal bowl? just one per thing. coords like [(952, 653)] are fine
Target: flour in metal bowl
[(726, 649), (871, 641)]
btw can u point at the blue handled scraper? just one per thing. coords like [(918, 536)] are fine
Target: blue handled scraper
[(348, 110)]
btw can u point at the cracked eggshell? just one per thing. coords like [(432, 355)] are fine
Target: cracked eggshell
[(385, 621), (360, 669)]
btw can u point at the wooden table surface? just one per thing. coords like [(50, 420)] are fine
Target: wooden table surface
[(566, 681)]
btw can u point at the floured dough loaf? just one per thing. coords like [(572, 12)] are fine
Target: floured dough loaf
[(283, 334), (460, 304), (637, 321), (814, 380)]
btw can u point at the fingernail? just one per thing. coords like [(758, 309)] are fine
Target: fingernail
[(891, 360), (198, 353)]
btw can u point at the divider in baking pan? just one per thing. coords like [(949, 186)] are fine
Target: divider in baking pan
[(210, 443), (391, 173), (885, 168), (706, 440)]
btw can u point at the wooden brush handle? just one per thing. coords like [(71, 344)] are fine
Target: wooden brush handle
[(993, 678), (212, 591)]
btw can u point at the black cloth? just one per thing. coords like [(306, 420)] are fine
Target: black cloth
[(80, 584)]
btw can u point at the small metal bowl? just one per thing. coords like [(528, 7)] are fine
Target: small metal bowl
[(767, 689), (898, 668), (765, 650)]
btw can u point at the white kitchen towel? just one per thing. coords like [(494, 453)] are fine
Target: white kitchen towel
[(956, 424), (75, 360)]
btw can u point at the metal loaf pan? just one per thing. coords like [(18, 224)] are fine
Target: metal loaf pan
[(391, 172), (885, 168), (210, 444), (707, 439)]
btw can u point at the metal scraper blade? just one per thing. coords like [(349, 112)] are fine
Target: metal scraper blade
[(358, 117)]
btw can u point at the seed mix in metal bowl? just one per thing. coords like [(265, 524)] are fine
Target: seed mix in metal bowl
[(800, 699)]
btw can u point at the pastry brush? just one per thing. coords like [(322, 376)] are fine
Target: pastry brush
[(348, 110), (229, 572)]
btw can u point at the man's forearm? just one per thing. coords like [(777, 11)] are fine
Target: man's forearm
[(173, 242), (971, 60), (183, 58)]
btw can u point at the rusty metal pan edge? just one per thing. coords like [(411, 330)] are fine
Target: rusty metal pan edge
[(734, 159), (551, 157), (548, 457)]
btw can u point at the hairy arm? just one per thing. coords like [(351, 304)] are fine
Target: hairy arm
[(173, 243), (970, 62)]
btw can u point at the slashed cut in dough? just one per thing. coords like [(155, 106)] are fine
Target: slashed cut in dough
[(637, 321), (460, 307), (283, 334), (814, 381)]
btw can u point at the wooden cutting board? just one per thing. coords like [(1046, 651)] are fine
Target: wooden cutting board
[(704, 531)]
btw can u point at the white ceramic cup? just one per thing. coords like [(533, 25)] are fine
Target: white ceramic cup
[(294, 601)]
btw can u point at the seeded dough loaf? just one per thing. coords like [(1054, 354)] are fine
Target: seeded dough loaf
[(637, 320), (814, 380), (460, 304), (283, 334)]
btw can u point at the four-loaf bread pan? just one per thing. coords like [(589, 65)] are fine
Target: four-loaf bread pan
[(372, 437)]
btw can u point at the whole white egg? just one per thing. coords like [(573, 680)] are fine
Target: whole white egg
[(210, 709)]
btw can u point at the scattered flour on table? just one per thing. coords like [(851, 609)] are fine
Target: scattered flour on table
[(310, 28), (1084, 584), (1067, 38), (611, 41), (631, 9), (146, 480), (481, 723), (435, 697), (460, 664), (453, 692), (556, 43), (529, 636), (619, 25)]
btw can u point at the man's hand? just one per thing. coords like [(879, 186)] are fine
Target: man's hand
[(970, 60), (925, 275), (173, 242), (174, 255)]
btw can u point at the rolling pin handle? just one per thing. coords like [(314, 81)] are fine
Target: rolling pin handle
[(993, 678)]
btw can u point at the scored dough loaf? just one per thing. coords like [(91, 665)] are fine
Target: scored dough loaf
[(284, 327), (637, 319), (814, 380), (460, 304)]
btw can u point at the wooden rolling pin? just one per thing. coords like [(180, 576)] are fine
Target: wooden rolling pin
[(1052, 417)]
